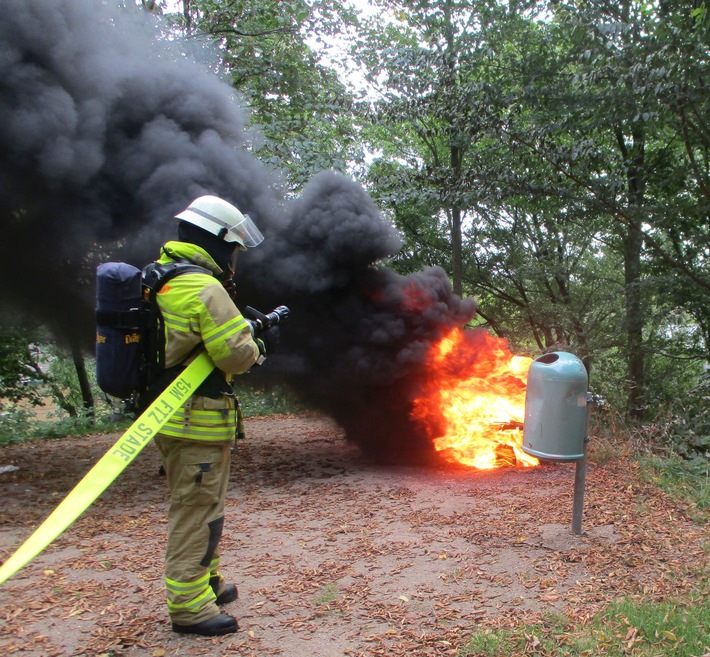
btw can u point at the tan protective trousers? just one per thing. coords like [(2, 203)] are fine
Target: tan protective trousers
[(197, 473)]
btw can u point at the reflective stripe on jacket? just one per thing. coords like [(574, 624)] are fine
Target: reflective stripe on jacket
[(197, 309)]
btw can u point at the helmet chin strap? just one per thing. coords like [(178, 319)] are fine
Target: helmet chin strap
[(227, 277)]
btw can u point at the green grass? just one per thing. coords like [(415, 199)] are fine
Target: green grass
[(328, 593), (680, 628), (553, 635), (636, 628)]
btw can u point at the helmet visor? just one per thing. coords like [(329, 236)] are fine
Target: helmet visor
[(246, 233)]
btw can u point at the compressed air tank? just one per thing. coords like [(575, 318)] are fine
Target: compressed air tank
[(118, 328)]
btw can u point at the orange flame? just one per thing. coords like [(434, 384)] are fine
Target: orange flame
[(474, 402)]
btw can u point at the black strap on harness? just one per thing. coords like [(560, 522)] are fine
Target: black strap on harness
[(121, 319)]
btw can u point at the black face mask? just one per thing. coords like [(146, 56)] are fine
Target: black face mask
[(223, 253)]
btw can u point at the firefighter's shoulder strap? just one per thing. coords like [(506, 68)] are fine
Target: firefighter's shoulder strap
[(157, 274)]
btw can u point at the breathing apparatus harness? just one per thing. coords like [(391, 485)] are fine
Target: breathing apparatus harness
[(130, 336), (130, 331)]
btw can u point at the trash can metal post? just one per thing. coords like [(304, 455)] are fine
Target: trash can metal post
[(580, 480)]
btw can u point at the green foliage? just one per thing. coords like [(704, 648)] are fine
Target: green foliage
[(85, 423), (35, 374), (434, 125), (257, 399), (687, 430), (552, 636), (18, 425), (268, 48), (61, 382), (38, 375), (570, 156), (552, 157), (327, 594), (20, 369), (489, 643), (426, 236), (34, 368)]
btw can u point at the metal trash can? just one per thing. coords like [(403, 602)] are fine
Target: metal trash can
[(555, 424)]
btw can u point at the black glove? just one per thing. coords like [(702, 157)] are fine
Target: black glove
[(268, 340)]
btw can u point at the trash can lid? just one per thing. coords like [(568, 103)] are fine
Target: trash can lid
[(559, 365)]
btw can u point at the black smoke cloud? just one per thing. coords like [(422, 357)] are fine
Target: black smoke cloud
[(107, 130)]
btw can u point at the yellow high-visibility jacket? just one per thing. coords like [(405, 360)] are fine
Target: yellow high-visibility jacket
[(197, 309)]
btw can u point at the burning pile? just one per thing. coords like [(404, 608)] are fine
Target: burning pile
[(473, 404)]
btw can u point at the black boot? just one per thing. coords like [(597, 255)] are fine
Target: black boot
[(215, 626), (230, 593)]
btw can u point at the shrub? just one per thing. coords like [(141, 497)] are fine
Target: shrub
[(687, 430)]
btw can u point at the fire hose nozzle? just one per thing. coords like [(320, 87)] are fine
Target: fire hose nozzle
[(260, 322)]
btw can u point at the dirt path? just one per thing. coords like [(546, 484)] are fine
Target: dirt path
[(333, 556)]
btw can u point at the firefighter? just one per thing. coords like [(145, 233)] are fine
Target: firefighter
[(195, 444)]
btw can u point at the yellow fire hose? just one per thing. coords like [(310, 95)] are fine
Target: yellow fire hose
[(111, 464)]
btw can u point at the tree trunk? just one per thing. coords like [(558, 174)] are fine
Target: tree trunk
[(634, 321), (455, 156), (456, 237), (84, 385), (187, 13), (633, 242)]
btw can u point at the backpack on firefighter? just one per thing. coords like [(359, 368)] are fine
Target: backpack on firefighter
[(130, 332)]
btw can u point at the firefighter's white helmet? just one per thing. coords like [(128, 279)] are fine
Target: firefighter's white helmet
[(222, 220)]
